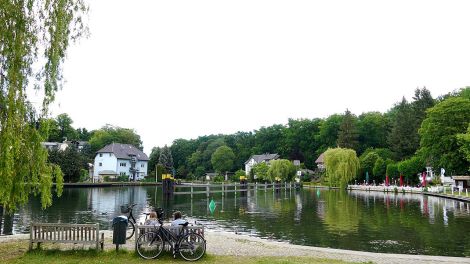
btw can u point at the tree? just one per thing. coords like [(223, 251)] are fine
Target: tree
[(373, 130), (392, 170), (298, 143), (439, 145), (269, 139), (348, 136), (367, 162), (464, 142), (281, 168), (260, 170), (328, 135), (153, 159), (34, 37), (222, 159), (380, 168), (83, 134), (66, 131), (237, 175), (113, 134), (410, 168), (403, 138), (53, 131), (422, 102), (341, 165), (71, 163), (181, 150), (166, 159)]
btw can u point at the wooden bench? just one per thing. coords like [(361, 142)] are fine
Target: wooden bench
[(141, 229), (66, 233)]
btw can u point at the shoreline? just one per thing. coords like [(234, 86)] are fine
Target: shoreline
[(230, 244)]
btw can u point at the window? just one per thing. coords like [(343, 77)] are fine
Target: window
[(142, 165), (110, 154), (122, 173), (101, 164), (101, 154), (122, 164)]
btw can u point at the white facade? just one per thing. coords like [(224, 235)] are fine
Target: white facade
[(249, 165), (109, 163), (105, 162)]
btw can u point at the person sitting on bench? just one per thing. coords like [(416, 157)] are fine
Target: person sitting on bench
[(178, 220)]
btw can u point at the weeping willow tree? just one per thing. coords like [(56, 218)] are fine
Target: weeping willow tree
[(342, 166), (34, 36)]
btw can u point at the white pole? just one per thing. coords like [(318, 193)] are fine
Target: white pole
[(156, 173)]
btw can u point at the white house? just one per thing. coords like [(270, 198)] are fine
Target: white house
[(115, 159), (255, 159)]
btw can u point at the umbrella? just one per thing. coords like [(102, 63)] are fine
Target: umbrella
[(401, 180), (386, 180), (367, 177), (424, 179)]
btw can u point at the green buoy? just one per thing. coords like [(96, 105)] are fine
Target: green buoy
[(212, 206)]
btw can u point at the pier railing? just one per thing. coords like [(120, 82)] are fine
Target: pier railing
[(198, 188)]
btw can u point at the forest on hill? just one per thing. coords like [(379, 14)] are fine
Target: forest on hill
[(411, 135), (405, 139)]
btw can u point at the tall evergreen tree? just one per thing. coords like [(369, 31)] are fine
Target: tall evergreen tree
[(422, 101), (348, 135), (403, 139), (166, 159)]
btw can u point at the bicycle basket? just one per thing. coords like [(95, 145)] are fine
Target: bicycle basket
[(125, 209)]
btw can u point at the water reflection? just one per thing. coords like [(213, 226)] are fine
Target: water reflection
[(369, 221)]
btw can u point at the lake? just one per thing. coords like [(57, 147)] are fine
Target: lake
[(375, 221)]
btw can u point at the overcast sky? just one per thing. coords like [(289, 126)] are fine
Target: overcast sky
[(182, 69)]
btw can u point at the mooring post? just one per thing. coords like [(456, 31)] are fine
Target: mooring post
[(223, 189)]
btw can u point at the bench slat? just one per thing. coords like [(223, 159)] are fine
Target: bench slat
[(65, 233)]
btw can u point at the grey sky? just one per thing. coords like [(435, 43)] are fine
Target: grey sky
[(181, 69)]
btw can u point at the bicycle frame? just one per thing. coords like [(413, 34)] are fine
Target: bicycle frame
[(167, 236), (131, 216)]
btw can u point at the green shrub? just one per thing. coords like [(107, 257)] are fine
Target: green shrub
[(123, 178), (218, 178)]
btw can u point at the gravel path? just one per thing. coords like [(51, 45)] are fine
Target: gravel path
[(222, 243)]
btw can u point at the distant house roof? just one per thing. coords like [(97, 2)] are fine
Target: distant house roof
[(321, 158), (124, 151), (263, 157)]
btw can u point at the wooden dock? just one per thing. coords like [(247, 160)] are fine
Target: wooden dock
[(194, 188)]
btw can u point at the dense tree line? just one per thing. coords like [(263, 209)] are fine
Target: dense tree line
[(409, 136)]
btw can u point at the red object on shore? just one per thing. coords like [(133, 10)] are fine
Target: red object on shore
[(386, 180), (424, 179), (401, 180)]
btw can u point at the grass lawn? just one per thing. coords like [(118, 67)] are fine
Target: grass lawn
[(17, 252)]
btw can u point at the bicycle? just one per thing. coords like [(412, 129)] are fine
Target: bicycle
[(189, 245), (127, 209)]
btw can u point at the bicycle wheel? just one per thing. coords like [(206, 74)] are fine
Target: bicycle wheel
[(192, 246), (149, 245), (130, 229)]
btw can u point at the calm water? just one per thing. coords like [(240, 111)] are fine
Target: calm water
[(377, 222)]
